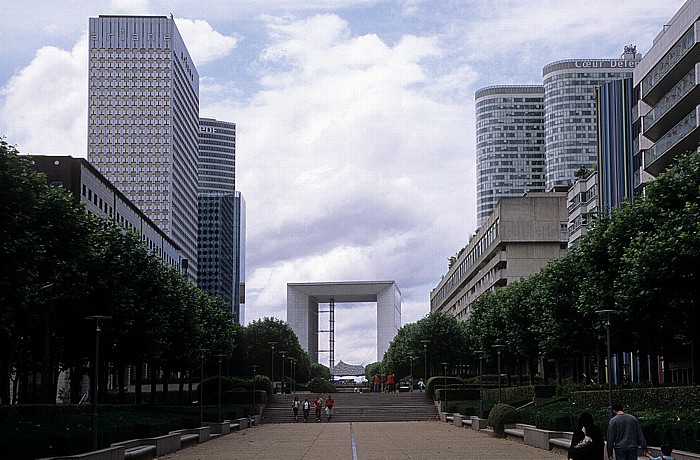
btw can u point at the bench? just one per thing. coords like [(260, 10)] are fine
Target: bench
[(164, 444), (188, 439), (203, 434), (110, 453), (141, 452)]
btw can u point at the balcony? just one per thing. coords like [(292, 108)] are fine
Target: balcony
[(671, 108), (671, 68), (682, 137)]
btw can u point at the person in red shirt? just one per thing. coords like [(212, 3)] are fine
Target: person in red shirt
[(377, 384), (329, 407), (390, 382), (318, 405)]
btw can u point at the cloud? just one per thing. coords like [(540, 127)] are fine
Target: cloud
[(44, 106), (203, 42), (354, 163)]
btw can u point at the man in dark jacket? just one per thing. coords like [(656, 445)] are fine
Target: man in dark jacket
[(624, 435)]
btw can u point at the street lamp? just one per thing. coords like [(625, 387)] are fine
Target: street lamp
[(481, 382), (411, 378), (93, 384), (445, 366), (425, 358), (606, 313), (201, 385), (498, 347), (292, 372), (272, 364), (218, 411), (283, 353), (255, 374)]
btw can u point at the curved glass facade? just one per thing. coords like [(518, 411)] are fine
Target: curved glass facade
[(509, 144), (570, 113)]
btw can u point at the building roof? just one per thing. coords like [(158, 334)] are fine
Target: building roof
[(348, 369)]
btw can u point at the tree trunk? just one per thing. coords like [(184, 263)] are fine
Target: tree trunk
[(557, 370), (166, 380), (154, 377), (45, 367), (138, 381), (121, 374)]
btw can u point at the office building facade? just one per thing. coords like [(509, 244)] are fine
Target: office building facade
[(667, 83), (570, 119), (509, 144), (221, 234), (101, 198), (143, 111), (521, 235)]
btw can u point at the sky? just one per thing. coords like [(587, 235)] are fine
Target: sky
[(355, 120)]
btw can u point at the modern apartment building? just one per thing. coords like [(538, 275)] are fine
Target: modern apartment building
[(221, 234), (509, 144), (520, 236), (582, 205), (103, 199), (667, 83), (570, 112), (143, 112)]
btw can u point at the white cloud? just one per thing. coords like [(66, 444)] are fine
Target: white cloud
[(203, 42), (44, 106)]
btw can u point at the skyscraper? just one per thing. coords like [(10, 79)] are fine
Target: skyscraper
[(570, 112), (143, 120), (509, 144), (221, 235)]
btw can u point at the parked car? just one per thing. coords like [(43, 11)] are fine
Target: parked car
[(404, 386)]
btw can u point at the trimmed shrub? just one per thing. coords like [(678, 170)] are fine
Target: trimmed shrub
[(501, 415), (321, 385)]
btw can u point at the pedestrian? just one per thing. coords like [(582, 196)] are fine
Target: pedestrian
[(624, 435), (295, 407), (587, 442), (390, 382), (410, 384), (666, 451), (318, 405), (383, 382), (329, 407), (377, 384), (306, 407), (421, 385)]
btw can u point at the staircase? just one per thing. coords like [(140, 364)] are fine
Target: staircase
[(356, 407)]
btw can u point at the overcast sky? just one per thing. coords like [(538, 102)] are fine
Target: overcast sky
[(355, 148)]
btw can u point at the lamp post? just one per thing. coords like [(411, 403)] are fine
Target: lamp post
[(255, 374), (498, 347), (292, 372), (201, 385), (218, 410), (93, 384), (272, 364), (481, 382), (283, 353), (445, 366), (411, 377), (425, 359), (606, 313)]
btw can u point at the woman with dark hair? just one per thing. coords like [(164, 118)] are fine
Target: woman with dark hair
[(587, 442)]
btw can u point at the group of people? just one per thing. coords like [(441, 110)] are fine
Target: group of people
[(318, 408), (387, 383), (624, 436)]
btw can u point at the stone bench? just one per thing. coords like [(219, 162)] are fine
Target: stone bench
[(219, 428), (141, 452), (109, 453), (478, 423), (164, 444), (539, 438), (202, 433)]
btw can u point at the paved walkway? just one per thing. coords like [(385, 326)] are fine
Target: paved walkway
[(360, 441)]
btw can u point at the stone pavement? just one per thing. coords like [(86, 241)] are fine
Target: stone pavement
[(360, 441)]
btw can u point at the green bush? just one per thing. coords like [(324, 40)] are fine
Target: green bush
[(438, 381), (321, 385), (501, 415)]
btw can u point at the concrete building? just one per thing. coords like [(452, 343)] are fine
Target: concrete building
[(221, 233), (570, 112), (303, 301), (520, 237), (509, 144), (103, 199), (143, 111), (582, 206), (667, 83)]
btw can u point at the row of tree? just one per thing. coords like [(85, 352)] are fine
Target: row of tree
[(61, 265), (642, 262)]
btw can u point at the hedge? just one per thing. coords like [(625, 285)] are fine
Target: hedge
[(657, 396), (523, 393)]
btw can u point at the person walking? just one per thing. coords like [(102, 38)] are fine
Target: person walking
[(624, 435), (587, 442), (329, 407), (377, 384), (421, 385), (390, 382), (295, 407), (318, 405), (306, 407)]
